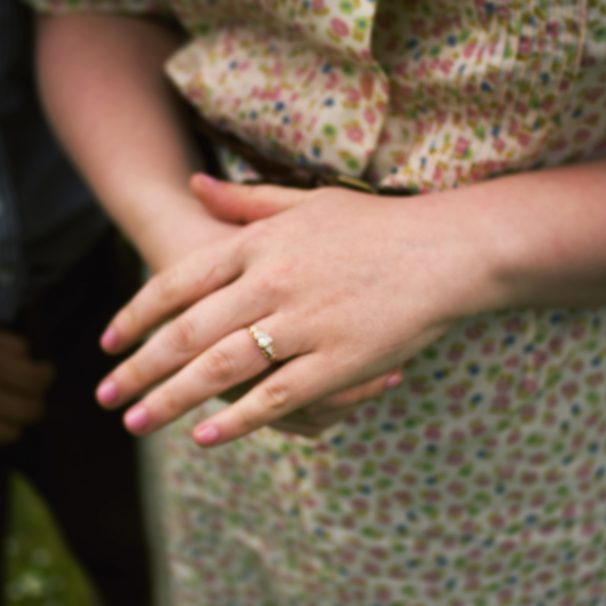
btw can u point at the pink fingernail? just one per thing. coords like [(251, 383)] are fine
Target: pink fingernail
[(206, 435), (394, 381), (109, 339), (137, 419), (107, 393), (207, 179)]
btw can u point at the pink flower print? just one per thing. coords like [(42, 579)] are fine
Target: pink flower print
[(500, 404), (319, 7), (477, 427), (419, 385), (456, 511), (390, 467), (529, 385), (548, 103), (498, 145), (438, 173), (539, 357), (475, 331), (504, 383), (456, 409), (403, 497), (524, 45), (558, 145), (420, 547), (456, 351), (524, 138), (408, 444), (344, 471), (578, 365), (461, 148), (538, 458), (595, 379), (455, 457), (458, 436), (379, 447), (582, 135), (514, 436), (446, 66), (578, 331), (458, 390), (433, 432), (538, 500), (339, 27), (359, 505), (553, 29), (358, 450), (512, 361), (354, 132), (472, 584), (570, 389), (370, 116), (593, 94)]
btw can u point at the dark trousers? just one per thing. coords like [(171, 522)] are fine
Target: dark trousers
[(79, 457)]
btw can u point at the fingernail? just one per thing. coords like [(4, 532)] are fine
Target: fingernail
[(394, 380), (136, 419), (107, 393), (207, 179), (109, 339), (206, 435)]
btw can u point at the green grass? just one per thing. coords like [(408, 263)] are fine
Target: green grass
[(40, 569)]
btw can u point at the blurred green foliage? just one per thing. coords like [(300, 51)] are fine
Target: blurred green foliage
[(40, 569)]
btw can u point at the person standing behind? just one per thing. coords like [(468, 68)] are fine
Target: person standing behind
[(63, 271)]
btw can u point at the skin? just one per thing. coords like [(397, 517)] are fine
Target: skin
[(82, 61), (346, 299), (23, 385), (418, 264)]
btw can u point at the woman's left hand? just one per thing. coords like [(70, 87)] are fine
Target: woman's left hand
[(348, 285)]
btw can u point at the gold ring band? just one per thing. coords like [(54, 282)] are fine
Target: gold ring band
[(264, 342)]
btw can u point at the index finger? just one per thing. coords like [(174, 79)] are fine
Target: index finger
[(175, 288)]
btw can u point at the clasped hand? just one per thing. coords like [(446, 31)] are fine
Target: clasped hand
[(349, 285), (23, 385)]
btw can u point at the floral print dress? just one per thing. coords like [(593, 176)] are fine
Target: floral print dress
[(481, 480)]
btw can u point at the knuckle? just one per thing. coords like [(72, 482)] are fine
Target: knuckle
[(163, 286), (219, 365), (252, 234), (169, 406), (131, 374), (247, 419), (127, 321), (276, 397), (183, 334)]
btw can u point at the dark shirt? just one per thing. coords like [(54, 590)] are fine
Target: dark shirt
[(48, 219)]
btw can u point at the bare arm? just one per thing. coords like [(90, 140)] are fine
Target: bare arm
[(368, 293), (103, 87)]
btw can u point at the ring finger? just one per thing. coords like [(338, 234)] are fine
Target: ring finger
[(178, 342), (231, 361)]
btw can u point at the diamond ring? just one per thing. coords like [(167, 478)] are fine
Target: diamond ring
[(264, 342)]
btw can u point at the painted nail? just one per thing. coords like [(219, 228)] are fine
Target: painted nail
[(137, 419), (206, 435), (107, 393), (207, 179), (109, 339), (394, 380)]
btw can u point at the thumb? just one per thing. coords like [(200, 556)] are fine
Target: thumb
[(243, 203)]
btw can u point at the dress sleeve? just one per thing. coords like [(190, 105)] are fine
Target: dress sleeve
[(125, 7)]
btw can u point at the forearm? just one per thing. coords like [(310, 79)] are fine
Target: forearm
[(103, 87), (541, 236)]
